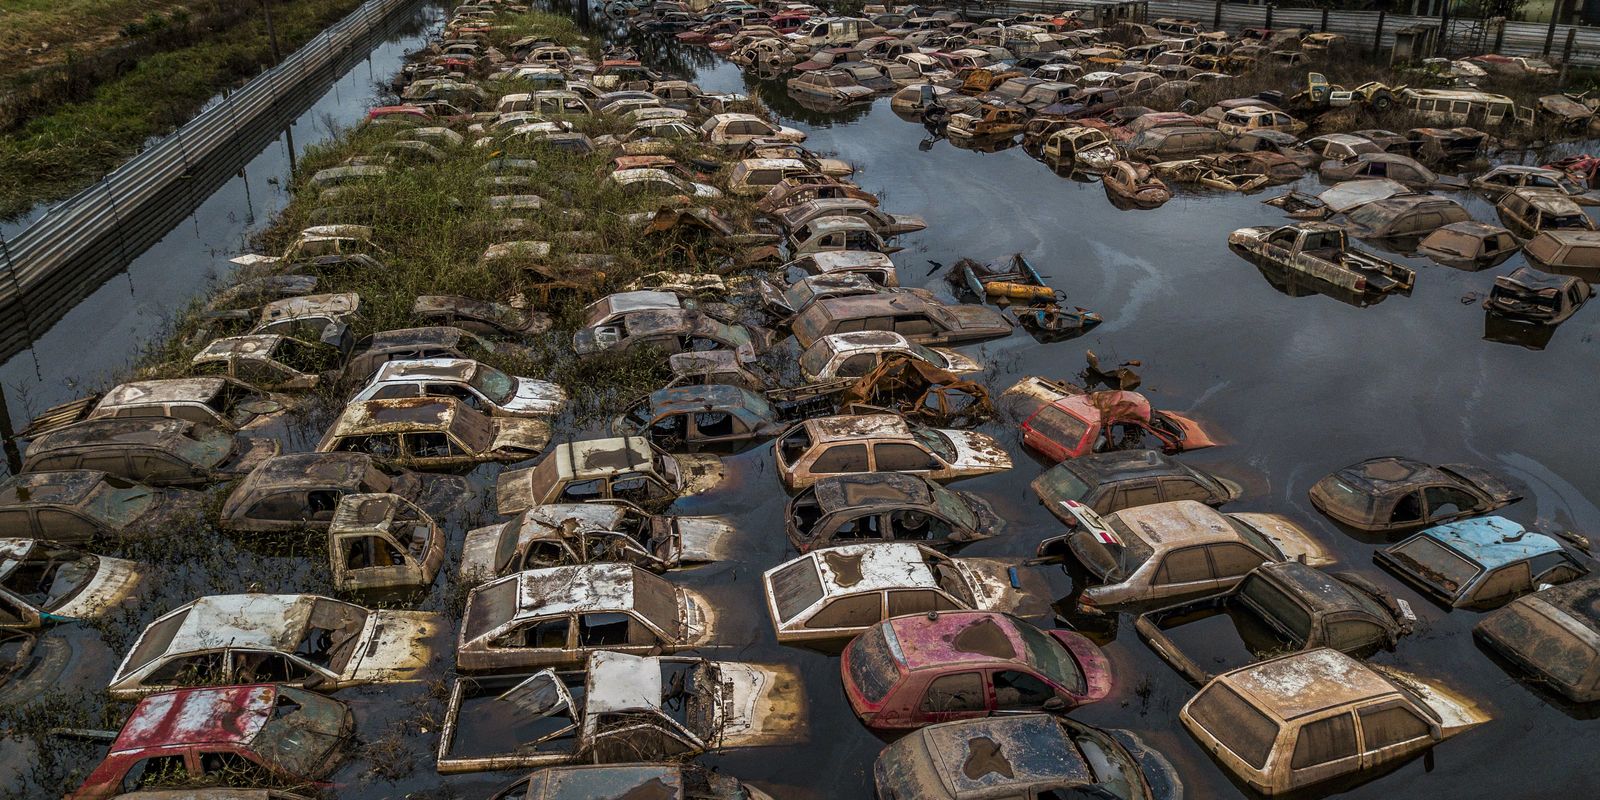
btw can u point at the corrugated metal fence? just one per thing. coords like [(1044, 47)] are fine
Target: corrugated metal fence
[(72, 249)]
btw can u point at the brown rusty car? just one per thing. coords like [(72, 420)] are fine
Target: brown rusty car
[(301, 490), (433, 433), (915, 317), (382, 542)]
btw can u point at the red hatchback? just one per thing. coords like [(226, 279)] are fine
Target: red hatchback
[(1067, 422), (920, 669)]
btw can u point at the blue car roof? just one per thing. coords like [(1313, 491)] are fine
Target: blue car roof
[(1484, 540)]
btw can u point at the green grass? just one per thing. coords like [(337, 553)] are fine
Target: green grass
[(52, 156)]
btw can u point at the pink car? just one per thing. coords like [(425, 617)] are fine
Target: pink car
[(921, 669), (1062, 421)]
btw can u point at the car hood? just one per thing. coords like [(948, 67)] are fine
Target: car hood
[(697, 540), (479, 551), (959, 364), (760, 704), (113, 583), (1293, 540), (975, 320), (835, 167), (395, 646), (1457, 712), (1194, 436), (977, 453), (537, 397), (903, 223), (524, 434), (993, 588)]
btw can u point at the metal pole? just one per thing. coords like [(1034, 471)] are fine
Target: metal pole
[(272, 33), (1268, 24), (1444, 27), (1377, 37), (1566, 56), (1550, 33), (1324, 28), (1216, 19)]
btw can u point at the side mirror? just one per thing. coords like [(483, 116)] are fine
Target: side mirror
[(1054, 705)]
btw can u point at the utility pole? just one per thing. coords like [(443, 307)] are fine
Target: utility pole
[(272, 33), (8, 437)]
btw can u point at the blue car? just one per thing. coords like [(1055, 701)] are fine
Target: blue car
[(1480, 563)]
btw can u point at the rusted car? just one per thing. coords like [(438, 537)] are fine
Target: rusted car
[(1027, 755), (987, 121), (1144, 556), (268, 361), (669, 781), (886, 224), (78, 505), (298, 639), (670, 331), (382, 543), (1283, 606), (411, 344), (1247, 119), (876, 267), (1322, 252), (621, 709), (1166, 144), (1403, 217), (1551, 637), (1566, 252), (618, 468), (1081, 148), (1527, 212), (1504, 178), (482, 317), (44, 583), (816, 448), (557, 616), (156, 451), (566, 534), (1403, 169), (1536, 298), (324, 318), (885, 506), (852, 355), (830, 85), (300, 491), (1390, 493), (1292, 722), (222, 403), (696, 418), (1062, 421), (1469, 245), (481, 387), (828, 596), (433, 433), (916, 670), (914, 317), (824, 234), (261, 734), (1112, 481), (1480, 563)]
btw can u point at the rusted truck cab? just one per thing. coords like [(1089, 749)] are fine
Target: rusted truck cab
[(1321, 251)]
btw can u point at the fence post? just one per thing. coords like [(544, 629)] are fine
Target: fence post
[(1324, 27), (1377, 36), (1444, 28), (1566, 55), (1550, 33), (1216, 19), (1499, 34), (1268, 24)]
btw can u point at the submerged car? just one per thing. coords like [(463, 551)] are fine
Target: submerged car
[(1108, 482), (556, 616), (665, 781), (261, 734), (302, 490), (45, 583), (916, 318), (1536, 298), (853, 355), (566, 534), (1469, 245), (670, 331), (414, 344), (1552, 637), (626, 468), (700, 417), (1292, 722), (156, 451), (1393, 493), (885, 506), (433, 433), (1171, 551), (1062, 421), (481, 387), (383, 542), (1480, 563), (917, 669), (816, 448), (1041, 756), (268, 361), (298, 639), (75, 506), (1283, 606)]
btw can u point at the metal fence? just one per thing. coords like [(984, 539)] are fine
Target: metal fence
[(73, 248)]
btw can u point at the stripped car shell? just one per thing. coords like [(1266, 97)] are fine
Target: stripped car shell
[(1062, 421), (269, 361), (383, 542), (814, 448), (480, 316), (156, 451), (858, 353), (481, 386), (619, 468), (324, 318), (1480, 563), (886, 224), (1552, 638), (76, 506), (618, 711), (874, 266), (557, 616), (670, 331), (828, 596), (420, 343), (44, 583), (1391, 493), (223, 403), (1108, 482), (296, 639), (565, 534), (1291, 722), (1172, 551), (300, 491), (1535, 298), (433, 433), (888, 506), (1322, 252), (699, 417)]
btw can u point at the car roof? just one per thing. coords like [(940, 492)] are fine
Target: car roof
[(397, 415), (1579, 599), (254, 346), (591, 458), (65, 487), (958, 638), (1317, 589), (1390, 474), (154, 431), (175, 390), (1492, 541), (826, 430), (1034, 747), (853, 568), (580, 587), (430, 335), (861, 340), (869, 489), (450, 369), (262, 621), (212, 715), (337, 469), (1179, 522), (1122, 465), (1302, 683), (706, 397)]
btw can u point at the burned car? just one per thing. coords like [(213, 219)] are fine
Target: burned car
[(699, 418), (885, 506), (1536, 298), (383, 542), (1139, 557), (302, 490), (556, 616), (1469, 245), (1284, 606), (828, 596), (1480, 563), (566, 534), (918, 319), (1108, 482), (1552, 637), (298, 639), (433, 433), (1062, 421), (669, 781), (1027, 755), (815, 448), (268, 361), (852, 355), (1291, 722), (413, 344), (481, 387), (619, 468), (78, 505), (45, 583), (621, 709), (916, 669), (1393, 493), (670, 331), (155, 451), (260, 734)]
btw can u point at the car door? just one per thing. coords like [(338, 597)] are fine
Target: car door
[(1392, 732), (1018, 690), (540, 640), (1323, 749), (1231, 561), (716, 425), (374, 560), (905, 457), (427, 449), (957, 695), (1183, 572)]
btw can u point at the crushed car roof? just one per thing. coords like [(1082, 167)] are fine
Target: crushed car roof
[(1492, 541)]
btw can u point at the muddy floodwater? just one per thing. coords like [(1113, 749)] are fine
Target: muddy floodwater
[(1298, 385)]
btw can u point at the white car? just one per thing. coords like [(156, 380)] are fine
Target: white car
[(646, 180), (478, 385), (858, 353)]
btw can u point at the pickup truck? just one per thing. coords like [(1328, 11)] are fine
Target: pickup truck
[(1321, 251)]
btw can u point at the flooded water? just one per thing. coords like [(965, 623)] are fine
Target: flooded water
[(1299, 386)]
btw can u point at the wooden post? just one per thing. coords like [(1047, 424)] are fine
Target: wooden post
[(1377, 37), (1499, 34), (1324, 20), (8, 437), (1566, 56), (1216, 19), (1444, 28), (1269, 17), (1550, 33)]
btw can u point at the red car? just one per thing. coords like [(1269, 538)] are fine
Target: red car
[(920, 669), (265, 733), (1062, 421), (408, 110), (788, 21)]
